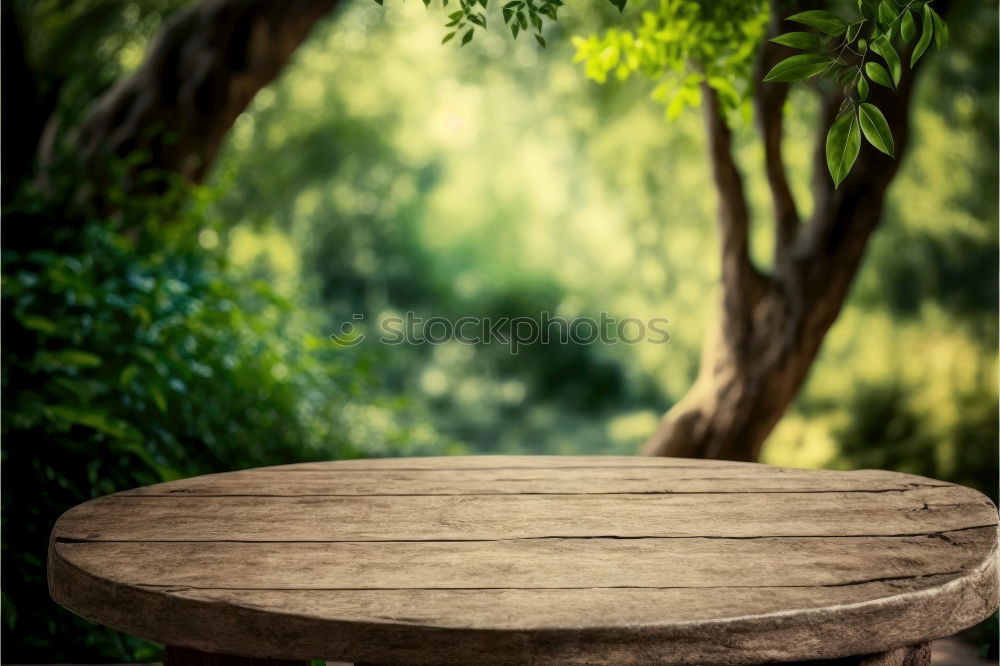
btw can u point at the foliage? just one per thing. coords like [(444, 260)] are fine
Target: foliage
[(682, 45), (518, 16), (686, 44), (844, 51), (360, 229), (908, 442), (133, 355)]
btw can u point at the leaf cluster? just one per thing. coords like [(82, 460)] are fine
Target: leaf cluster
[(867, 49), (133, 355), (682, 44), (518, 16)]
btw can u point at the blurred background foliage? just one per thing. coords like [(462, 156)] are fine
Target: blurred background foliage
[(384, 173)]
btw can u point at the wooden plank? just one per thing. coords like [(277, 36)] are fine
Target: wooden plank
[(183, 518), (538, 563), (527, 610), (336, 481), (500, 462), (548, 627)]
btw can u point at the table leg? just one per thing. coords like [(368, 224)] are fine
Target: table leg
[(179, 656), (913, 655)]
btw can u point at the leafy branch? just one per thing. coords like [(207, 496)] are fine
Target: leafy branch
[(518, 16), (685, 44), (838, 51)]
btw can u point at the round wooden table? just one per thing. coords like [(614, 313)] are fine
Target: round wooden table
[(533, 560)]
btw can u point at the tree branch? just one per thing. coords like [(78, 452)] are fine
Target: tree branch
[(30, 97), (837, 233), (829, 253), (834, 228), (742, 284), (769, 100), (201, 72)]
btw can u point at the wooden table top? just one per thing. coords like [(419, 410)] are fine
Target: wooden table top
[(543, 560)]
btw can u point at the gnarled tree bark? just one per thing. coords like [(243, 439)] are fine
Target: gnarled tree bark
[(205, 66), (771, 326)]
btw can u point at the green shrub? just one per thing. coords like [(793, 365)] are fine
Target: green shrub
[(133, 355)]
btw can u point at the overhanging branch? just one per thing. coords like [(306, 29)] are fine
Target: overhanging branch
[(203, 69)]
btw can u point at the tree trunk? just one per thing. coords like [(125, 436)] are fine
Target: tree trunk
[(205, 66), (771, 327)]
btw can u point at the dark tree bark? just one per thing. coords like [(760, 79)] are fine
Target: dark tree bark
[(27, 105), (204, 67), (771, 327)]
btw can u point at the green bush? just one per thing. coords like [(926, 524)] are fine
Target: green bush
[(133, 355)]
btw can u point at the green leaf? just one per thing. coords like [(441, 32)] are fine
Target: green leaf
[(40, 324), (925, 36), (875, 128), (67, 358), (877, 73), (98, 419), (867, 9), (798, 67), (940, 28), (620, 4), (798, 40), (846, 76), (156, 393), (884, 49), (908, 29), (843, 143), (467, 37), (822, 20), (540, 40), (128, 374), (852, 32), (886, 13), (862, 88), (447, 38)]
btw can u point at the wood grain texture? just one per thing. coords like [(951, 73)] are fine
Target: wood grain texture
[(913, 655), (544, 560)]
